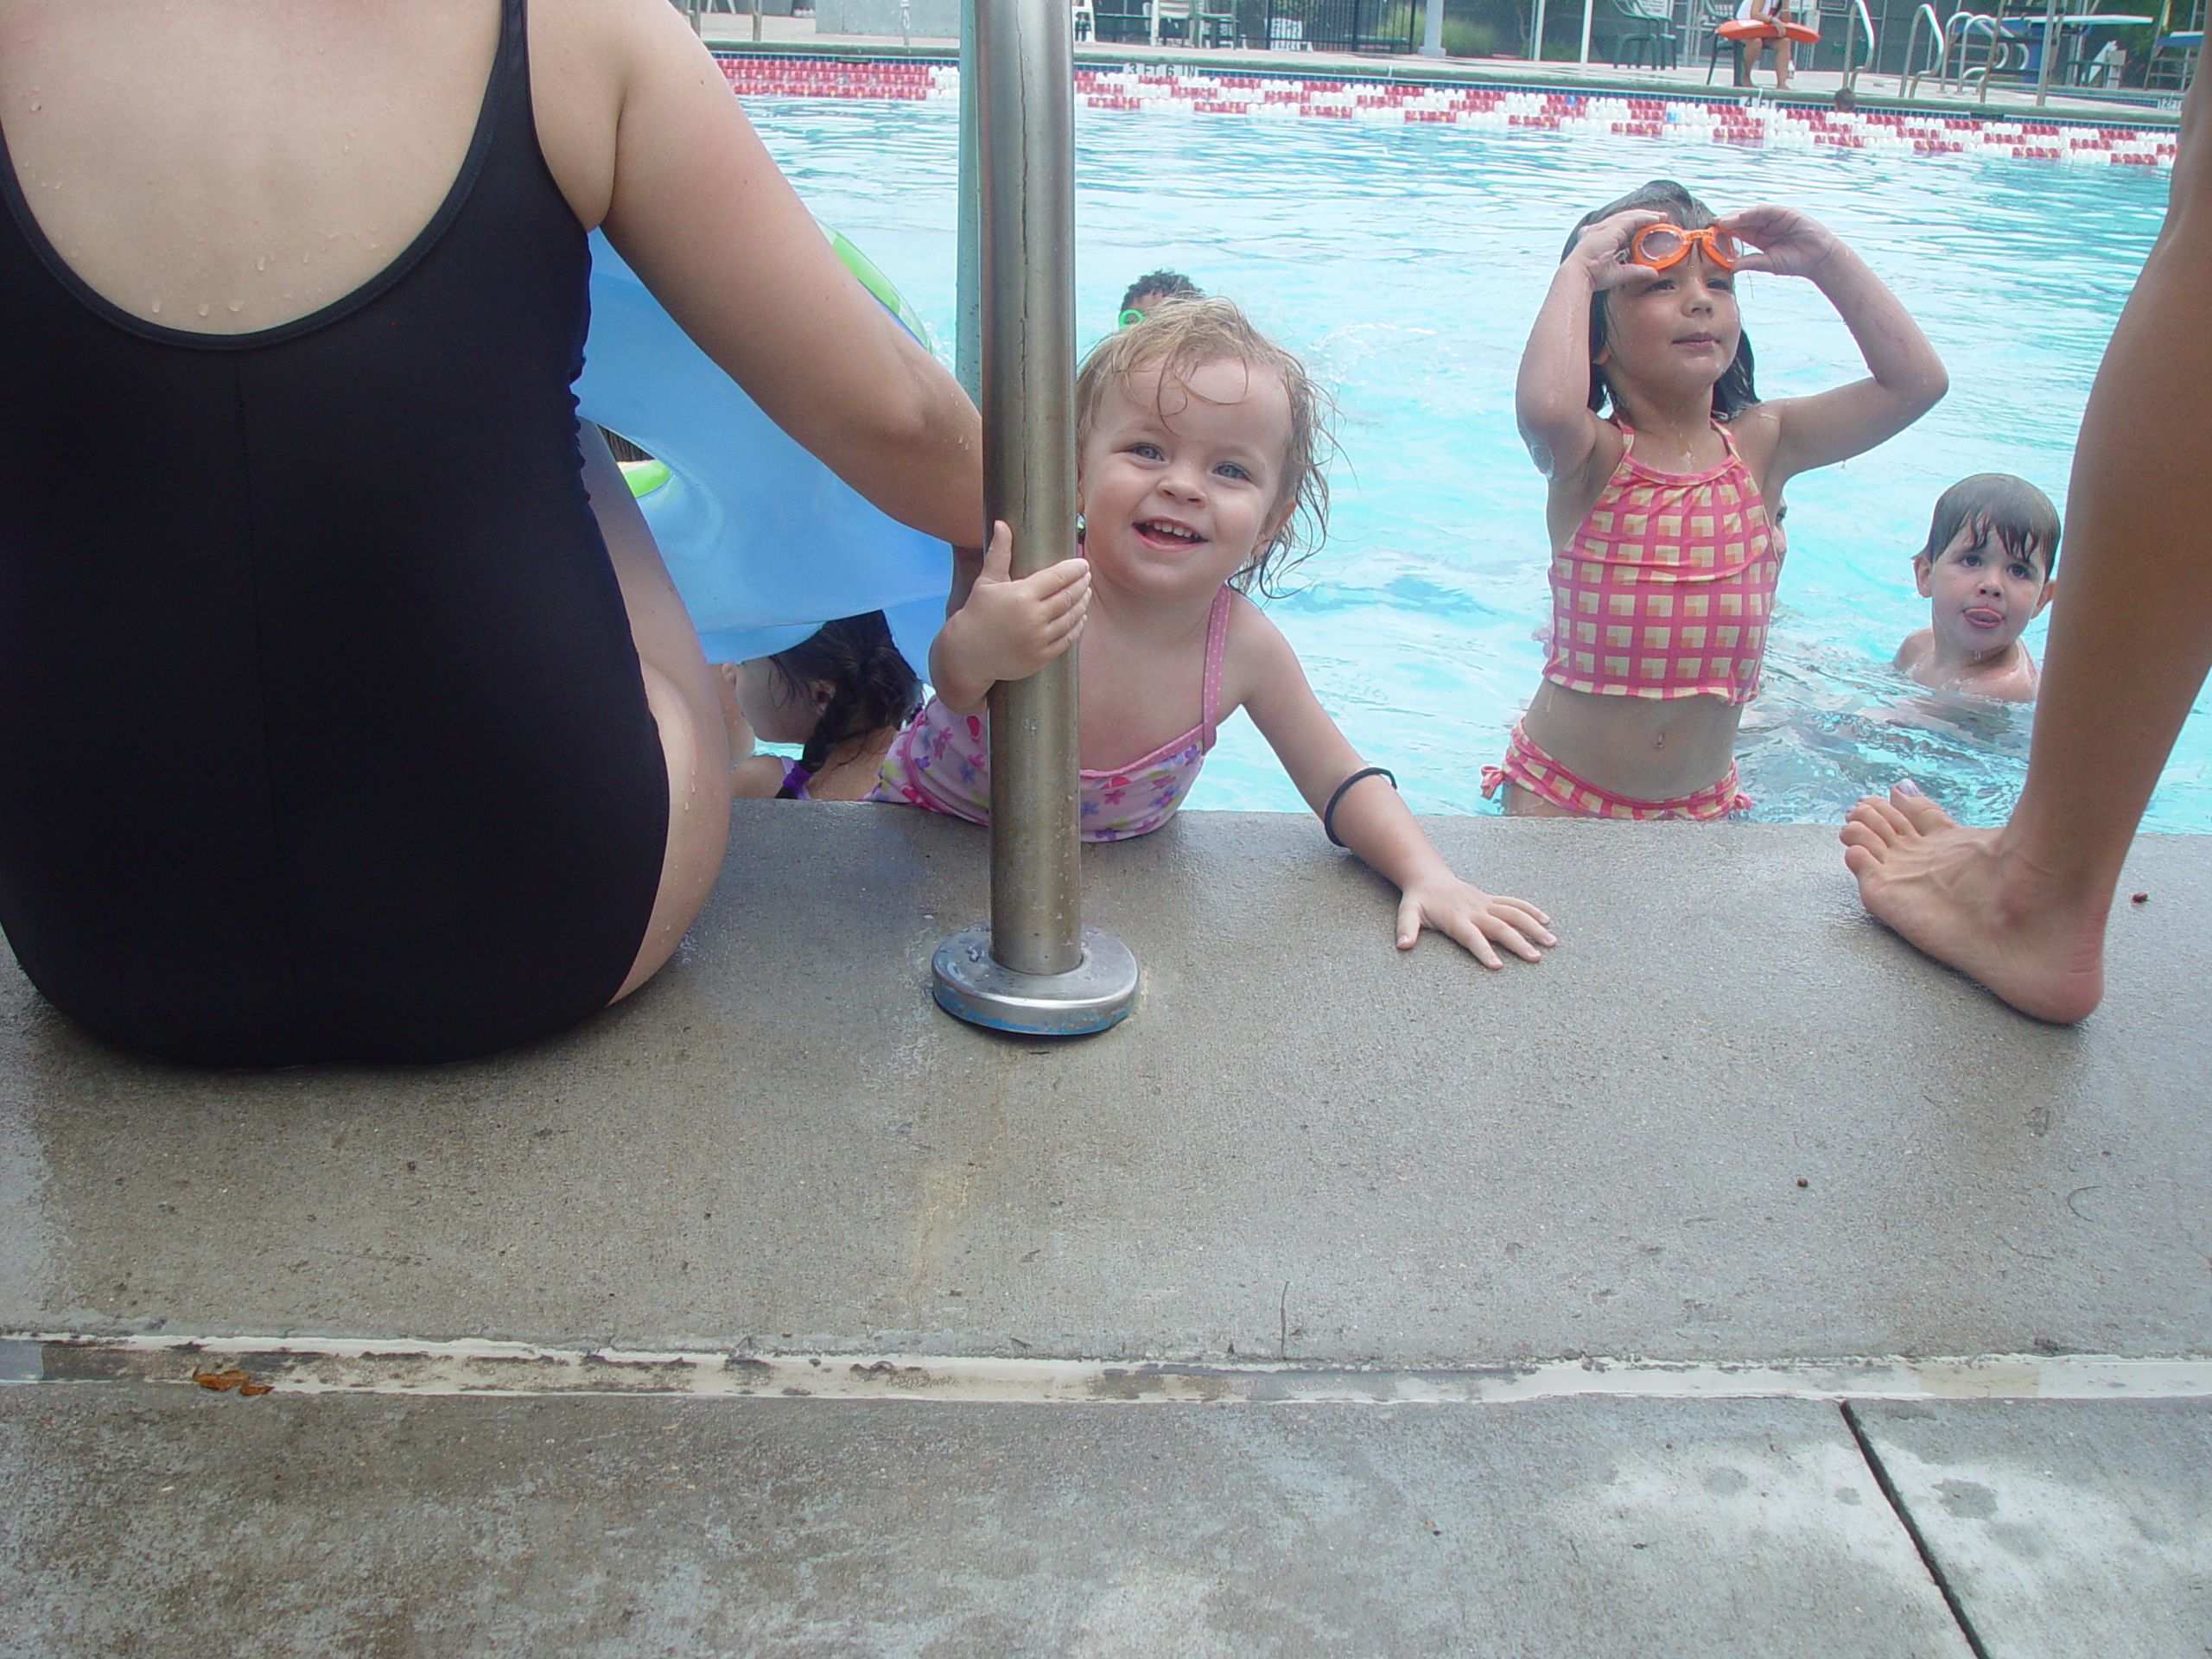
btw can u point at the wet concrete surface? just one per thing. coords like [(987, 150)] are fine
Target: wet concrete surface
[(1729, 1120), (1303, 1146), (2062, 1527), (156, 1519)]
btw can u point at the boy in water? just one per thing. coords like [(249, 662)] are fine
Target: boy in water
[(1988, 568), (1155, 288)]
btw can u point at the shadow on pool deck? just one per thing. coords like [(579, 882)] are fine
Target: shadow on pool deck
[(1728, 1119)]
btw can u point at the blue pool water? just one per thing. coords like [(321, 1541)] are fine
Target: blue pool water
[(1404, 264)]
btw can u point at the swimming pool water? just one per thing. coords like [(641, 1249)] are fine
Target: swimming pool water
[(1405, 263)]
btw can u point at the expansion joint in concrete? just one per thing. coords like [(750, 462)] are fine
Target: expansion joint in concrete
[(399, 1366), (1903, 1513)]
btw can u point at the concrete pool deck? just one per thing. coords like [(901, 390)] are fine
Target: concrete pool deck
[(1733, 1282)]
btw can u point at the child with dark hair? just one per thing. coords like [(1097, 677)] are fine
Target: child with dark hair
[(1666, 474), (843, 692), (1156, 288), (1989, 570)]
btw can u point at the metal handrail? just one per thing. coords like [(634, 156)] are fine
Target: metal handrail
[(1850, 69), (1026, 187), (1034, 968), (1908, 77), (1956, 28), (1958, 32)]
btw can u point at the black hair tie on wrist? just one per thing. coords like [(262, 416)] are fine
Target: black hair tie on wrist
[(1329, 812)]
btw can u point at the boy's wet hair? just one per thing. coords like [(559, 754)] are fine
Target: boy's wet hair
[(1733, 392), (1168, 284), (1180, 338), (2012, 510), (872, 684)]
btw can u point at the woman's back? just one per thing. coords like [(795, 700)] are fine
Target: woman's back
[(342, 718), (225, 165), (325, 731)]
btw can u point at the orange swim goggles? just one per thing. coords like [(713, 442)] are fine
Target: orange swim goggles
[(1659, 246)]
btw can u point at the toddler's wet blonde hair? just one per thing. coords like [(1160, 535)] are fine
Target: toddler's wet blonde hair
[(1180, 338)]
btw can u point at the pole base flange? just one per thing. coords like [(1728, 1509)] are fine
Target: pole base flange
[(971, 984)]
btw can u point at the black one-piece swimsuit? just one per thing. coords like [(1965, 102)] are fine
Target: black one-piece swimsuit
[(322, 735)]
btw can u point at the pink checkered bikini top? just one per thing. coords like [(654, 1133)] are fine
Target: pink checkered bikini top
[(1665, 588)]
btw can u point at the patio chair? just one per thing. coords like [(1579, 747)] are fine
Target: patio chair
[(1648, 36), (1086, 21), (1710, 15), (1121, 22), (1190, 20)]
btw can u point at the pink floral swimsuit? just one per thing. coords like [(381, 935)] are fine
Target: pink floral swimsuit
[(941, 762)]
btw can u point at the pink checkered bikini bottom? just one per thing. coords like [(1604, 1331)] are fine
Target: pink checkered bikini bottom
[(1541, 776)]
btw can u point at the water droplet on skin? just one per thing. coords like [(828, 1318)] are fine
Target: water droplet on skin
[(238, 305), (203, 310), (36, 107), (262, 263), (157, 305)]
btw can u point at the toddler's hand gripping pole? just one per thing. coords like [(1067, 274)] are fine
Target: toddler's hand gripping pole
[(1035, 969)]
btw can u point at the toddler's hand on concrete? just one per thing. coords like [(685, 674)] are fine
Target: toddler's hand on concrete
[(1460, 911)]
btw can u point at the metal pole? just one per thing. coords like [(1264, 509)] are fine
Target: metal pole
[(2049, 51), (968, 338), (1026, 145), (756, 19), (1036, 967), (1536, 39), (1432, 29), (1996, 45), (1589, 6)]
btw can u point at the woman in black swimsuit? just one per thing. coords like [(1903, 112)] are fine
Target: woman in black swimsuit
[(349, 713)]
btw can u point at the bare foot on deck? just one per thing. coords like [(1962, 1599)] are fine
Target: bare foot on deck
[(1962, 898)]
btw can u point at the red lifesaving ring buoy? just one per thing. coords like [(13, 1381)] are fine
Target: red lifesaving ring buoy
[(1755, 29)]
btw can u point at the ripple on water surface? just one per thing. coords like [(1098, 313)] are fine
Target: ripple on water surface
[(1404, 265)]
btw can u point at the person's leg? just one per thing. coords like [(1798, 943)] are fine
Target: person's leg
[(2023, 909), (680, 690)]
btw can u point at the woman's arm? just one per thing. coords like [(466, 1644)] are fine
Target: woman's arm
[(1908, 376), (647, 141), (1551, 398), (1369, 818)]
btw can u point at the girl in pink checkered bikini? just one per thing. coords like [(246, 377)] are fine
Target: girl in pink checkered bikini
[(1665, 554)]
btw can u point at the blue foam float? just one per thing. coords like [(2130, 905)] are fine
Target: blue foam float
[(763, 542)]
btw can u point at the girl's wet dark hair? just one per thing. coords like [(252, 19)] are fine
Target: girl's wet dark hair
[(872, 685), (1733, 392), (2012, 510)]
